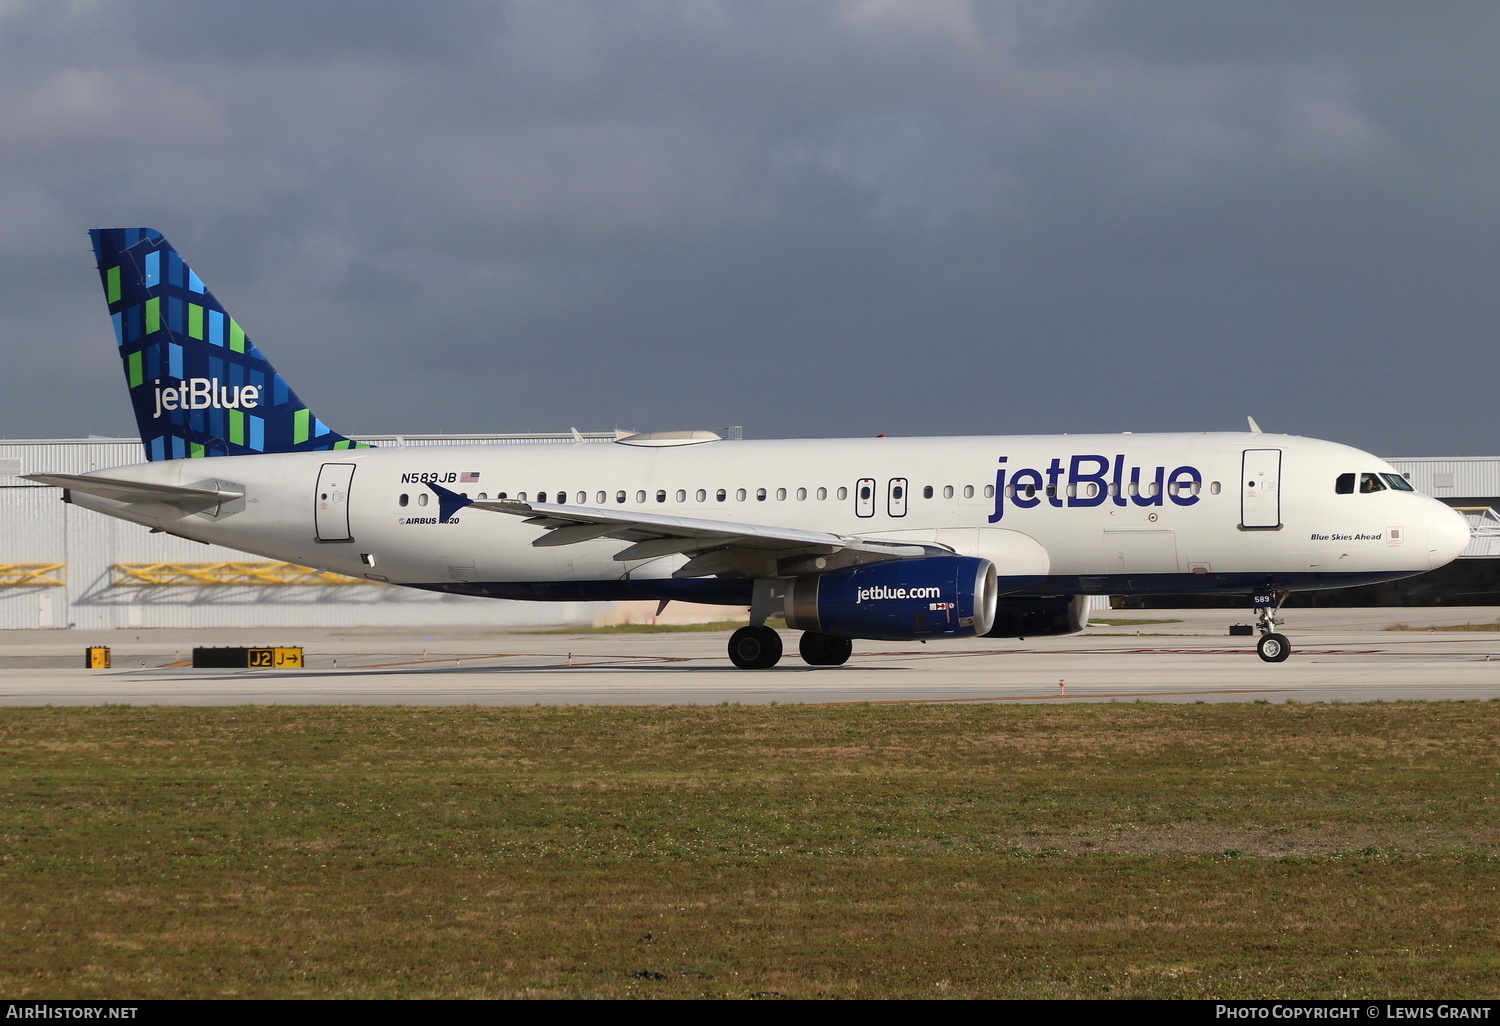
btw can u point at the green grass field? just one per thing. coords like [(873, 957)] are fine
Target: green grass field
[(1124, 850)]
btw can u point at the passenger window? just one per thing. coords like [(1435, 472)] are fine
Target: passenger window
[(421, 498), (619, 496), (1214, 488), (864, 493), (483, 495), (822, 494), (989, 491), (947, 491), (520, 497), (499, 495), (583, 497), (721, 495), (842, 493), (927, 491), (801, 494), (661, 495), (702, 495), (1344, 485), (969, 491), (640, 496), (780, 494), (541, 496), (1370, 483), (682, 495), (739, 495), (760, 495), (404, 499)]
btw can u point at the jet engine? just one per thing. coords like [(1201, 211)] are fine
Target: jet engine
[(899, 600), (1040, 617)]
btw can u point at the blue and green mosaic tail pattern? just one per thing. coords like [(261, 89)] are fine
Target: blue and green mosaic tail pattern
[(198, 385)]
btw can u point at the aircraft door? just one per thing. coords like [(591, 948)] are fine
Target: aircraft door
[(331, 502), (896, 497), (1260, 489), (864, 497)]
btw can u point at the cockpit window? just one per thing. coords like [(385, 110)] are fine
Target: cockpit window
[(1398, 482), (1344, 485), (1371, 483)]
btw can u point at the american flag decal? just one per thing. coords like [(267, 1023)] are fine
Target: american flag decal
[(468, 478)]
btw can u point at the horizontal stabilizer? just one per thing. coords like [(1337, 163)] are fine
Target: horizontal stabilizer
[(137, 491)]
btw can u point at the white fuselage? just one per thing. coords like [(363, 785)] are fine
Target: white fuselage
[(1083, 514)]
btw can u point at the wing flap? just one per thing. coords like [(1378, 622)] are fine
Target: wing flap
[(649, 526), (712, 546)]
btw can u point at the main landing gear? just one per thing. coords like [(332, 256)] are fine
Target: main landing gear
[(759, 648), (755, 648), (824, 649), (1272, 647)]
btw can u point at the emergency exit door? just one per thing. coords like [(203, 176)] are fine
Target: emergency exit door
[(1260, 489), (331, 502)]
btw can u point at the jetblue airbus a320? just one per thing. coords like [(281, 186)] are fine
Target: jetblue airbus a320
[(878, 538)]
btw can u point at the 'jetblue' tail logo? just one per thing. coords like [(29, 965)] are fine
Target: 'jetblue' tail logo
[(199, 387)]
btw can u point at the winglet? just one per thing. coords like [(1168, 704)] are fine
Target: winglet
[(449, 503), (1254, 427)]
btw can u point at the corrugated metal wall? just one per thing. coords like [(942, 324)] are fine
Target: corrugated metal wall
[(1456, 477), (37, 527)]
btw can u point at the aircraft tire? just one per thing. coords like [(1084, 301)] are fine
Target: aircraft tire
[(755, 648), (1273, 648), (819, 649)]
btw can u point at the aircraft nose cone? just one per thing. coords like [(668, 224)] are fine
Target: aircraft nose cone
[(1447, 535)]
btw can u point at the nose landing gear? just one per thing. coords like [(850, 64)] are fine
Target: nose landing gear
[(1272, 647)]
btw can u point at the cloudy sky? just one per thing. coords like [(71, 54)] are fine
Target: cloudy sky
[(808, 218)]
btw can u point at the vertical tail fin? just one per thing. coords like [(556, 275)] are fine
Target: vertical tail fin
[(199, 387)]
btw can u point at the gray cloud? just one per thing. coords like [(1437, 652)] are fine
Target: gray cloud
[(834, 218)]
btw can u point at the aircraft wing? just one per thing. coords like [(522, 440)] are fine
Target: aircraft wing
[(713, 545), (122, 490)]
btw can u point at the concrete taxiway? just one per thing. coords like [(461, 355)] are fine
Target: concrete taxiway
[(1338, 655)]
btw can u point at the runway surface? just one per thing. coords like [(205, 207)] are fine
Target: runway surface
[(1338, 655)]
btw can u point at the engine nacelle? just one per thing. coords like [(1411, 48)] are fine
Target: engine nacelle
[(1040, 617), (899, 600)]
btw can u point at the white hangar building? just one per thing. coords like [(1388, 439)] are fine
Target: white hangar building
[(65, 566)]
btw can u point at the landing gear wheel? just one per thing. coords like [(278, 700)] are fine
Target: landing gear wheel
[(1273, 648), (824, 649), (755, 648)]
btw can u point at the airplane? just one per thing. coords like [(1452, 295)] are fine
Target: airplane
[(889, 539)]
